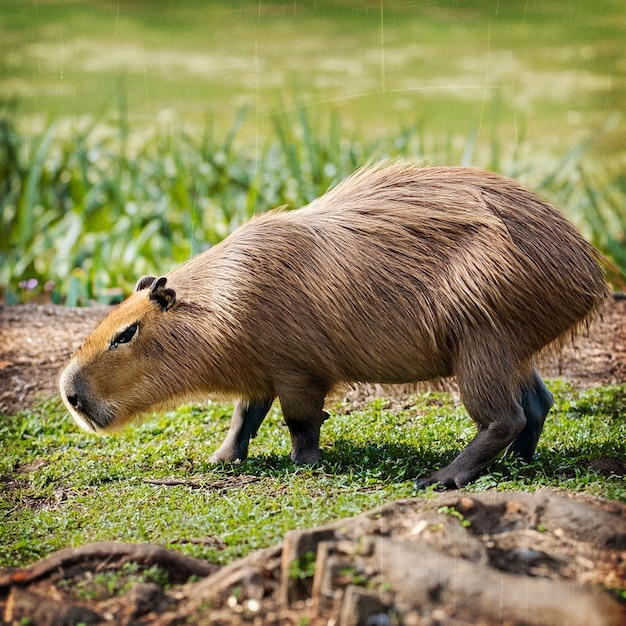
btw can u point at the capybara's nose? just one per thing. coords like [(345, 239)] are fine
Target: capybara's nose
[(74, 400), (73, 390)]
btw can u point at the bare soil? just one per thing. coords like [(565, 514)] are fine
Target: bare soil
[(480, 559)]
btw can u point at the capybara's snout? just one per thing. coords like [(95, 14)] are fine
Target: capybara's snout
[(89, 413)]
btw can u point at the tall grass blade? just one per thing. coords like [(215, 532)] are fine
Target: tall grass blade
[(30, 198)]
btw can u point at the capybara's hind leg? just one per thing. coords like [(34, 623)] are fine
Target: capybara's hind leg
[(247, 418), (490, 401), (536, 401), (488, 443), (304, 418)]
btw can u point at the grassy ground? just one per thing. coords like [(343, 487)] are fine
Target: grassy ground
[(127, 154), (62, 487)]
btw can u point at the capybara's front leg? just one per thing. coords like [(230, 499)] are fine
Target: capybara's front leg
[(304, 418), (247, 417)]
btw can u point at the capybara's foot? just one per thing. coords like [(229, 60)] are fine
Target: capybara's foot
[(226, 453), (305, 456), (305, 435), (445, 479), (427, 481)]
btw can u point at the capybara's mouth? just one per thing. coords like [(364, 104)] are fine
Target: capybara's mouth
[(81, 416), (98, 422)]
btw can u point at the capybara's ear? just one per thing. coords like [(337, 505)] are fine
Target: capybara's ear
[(144, 282), (163, 296)]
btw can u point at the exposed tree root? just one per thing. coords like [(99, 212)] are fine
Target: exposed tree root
[(179, 566)]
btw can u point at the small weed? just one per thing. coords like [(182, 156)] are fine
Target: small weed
[(304, 567), (111, 583), (353, 576), (450, 510), (620, 594)]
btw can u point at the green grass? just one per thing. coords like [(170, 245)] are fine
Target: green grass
[(108, 584), (61, 487)]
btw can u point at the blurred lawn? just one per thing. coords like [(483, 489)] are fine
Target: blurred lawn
[(548, 72)]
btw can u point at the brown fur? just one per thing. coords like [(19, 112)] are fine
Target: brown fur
[(398, 274)]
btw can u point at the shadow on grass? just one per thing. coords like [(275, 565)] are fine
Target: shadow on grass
[(386, 463), (392, 463)]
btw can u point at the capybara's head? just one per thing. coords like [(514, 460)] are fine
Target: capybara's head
[(118, 372)]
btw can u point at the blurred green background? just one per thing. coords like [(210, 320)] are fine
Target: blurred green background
[(135, 133)]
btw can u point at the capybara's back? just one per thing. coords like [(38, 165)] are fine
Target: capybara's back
[(398, 274)]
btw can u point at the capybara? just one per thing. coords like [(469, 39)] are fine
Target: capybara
[(399, 274)]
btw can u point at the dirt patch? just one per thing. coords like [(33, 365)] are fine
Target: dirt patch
[(492, 558), (37, 340)]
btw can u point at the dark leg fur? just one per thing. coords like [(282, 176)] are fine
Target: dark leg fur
[(536, 402), (478, 454), (304, 417), (247, 418)]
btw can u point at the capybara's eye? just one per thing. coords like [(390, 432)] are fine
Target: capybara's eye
[(125, 336)]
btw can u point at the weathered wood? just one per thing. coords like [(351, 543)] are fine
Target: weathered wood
[(516, 558), (296, 545)]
